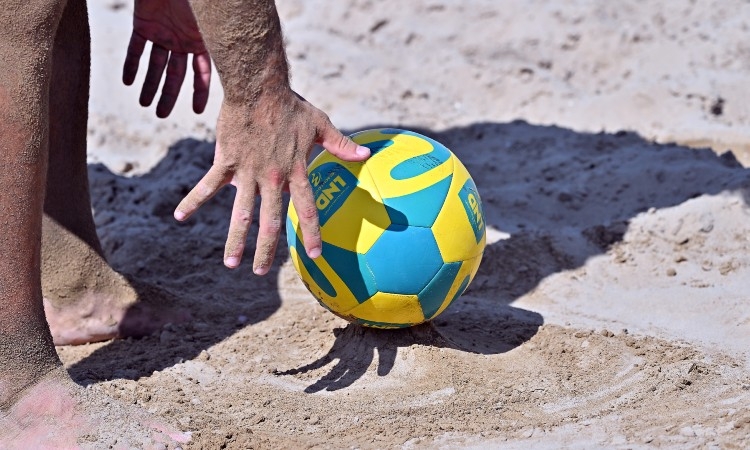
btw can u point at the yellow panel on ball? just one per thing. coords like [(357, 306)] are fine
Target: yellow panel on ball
[(389, 309), (403, 147), (461, 220), (348, 203)]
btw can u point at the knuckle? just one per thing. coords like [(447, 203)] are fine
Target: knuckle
[(346, 141), (203, 190), (324, 129), (271, 227), (167, 97), (308, 212), (275, 177), (299, 171), (323, 118), (225, 165), (151, 84), (175, 70), (244, 216), (299, 181)]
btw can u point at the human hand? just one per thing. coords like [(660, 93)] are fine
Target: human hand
[(170, 25), (262, 150)]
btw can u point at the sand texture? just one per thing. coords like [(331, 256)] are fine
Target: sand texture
[(610, 142)]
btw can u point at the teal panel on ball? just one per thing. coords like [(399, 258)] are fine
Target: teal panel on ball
[(317, 275), (418, 165), (353, 270), (432, 296), (377, 146), (404, 259), (461, 289), (420, 208)]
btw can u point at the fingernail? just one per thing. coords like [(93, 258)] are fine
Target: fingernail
[(260, 270), (362, 151), (314, 252), (232, 261), (179, 215)]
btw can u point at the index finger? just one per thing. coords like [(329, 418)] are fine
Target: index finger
[(339, 145), (132, 58)]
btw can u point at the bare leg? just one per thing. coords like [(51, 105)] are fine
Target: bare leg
[(84, 298), (40, 407), (26, 350)]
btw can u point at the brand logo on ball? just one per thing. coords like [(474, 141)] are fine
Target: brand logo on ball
[(473, 207), (332, 185)]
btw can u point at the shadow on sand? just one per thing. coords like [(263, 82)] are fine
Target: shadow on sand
[(557, 197)]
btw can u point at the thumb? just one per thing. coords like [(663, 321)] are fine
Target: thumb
[(342, 146)]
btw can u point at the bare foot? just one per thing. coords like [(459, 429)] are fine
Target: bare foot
[(85, 300), (57, 413)]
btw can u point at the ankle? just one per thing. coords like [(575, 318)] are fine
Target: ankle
[(24, 363)]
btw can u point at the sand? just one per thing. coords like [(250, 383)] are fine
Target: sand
[(610, 143)]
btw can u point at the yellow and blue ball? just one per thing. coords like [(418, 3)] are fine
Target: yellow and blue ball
[(403, 233)]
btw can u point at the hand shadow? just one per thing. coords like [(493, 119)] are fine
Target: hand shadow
[(554, 198)]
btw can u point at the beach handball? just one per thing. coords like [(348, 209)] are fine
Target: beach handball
[(403, 232)]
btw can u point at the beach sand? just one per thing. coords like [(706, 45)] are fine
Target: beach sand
[(610, 142)]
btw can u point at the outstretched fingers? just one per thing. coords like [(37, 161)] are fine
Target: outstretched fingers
[(216, 178)]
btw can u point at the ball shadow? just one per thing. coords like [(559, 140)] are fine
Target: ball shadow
[(460, 328)]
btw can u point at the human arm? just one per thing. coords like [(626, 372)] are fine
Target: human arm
[(265, 131)]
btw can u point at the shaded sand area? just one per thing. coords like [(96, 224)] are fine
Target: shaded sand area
[(607, 140)]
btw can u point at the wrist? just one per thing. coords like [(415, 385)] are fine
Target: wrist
[(262, 99), (255, 85)]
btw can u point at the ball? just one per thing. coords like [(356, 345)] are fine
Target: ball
[(403, 232)]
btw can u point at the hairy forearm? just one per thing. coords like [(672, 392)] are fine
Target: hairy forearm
[(245, 42)]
